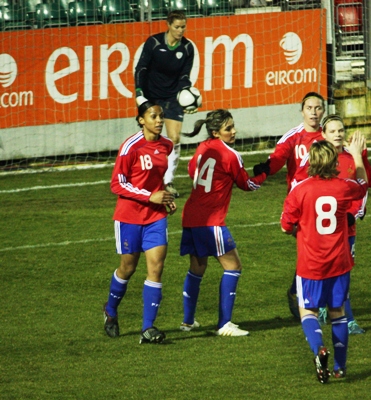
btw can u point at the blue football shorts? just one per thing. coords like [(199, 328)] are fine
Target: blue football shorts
[(172, 109), (331, 292), (132, 238), (206, 241)]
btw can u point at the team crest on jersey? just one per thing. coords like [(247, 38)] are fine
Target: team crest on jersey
[(179, 55)]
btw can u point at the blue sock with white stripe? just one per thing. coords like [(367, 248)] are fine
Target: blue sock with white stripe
[(313, 332), (340, 341), (191, 290), (227, 296), (116, 293), (152, 295)]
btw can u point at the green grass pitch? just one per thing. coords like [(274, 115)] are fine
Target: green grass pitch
[(57, 255)]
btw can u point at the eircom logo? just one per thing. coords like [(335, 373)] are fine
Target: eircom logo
[(292, 46), (8, 74), (8, 70), (292, 50)]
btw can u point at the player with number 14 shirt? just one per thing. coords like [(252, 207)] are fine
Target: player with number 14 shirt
[(214, 168)]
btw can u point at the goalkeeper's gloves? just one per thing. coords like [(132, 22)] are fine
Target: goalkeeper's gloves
[(140, 99), (351, 219), (262, 167), (190, 111), (139, 92)]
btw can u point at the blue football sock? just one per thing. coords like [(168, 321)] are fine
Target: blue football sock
[(152, 295), (227, 296), (340, 341), (191, 290), (348, 310), (293, 285), (116, 293), (313, 332)]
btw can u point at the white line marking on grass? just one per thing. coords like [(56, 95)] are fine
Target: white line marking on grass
[(256, 225), (71, 242), (66, 185), (57, 168), (66, 243)]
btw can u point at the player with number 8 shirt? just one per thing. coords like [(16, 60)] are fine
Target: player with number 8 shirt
[(315, 211), (214, 168), (333, 130)]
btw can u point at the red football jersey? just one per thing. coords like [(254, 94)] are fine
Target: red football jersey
[(214, 168), (291, 149), (319, 207), (139, 170)]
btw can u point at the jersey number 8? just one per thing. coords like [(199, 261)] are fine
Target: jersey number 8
[(326, 215)]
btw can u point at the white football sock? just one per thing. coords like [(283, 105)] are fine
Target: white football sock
[(173, 161)]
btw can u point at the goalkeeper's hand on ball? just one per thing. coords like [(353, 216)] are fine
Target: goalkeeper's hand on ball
[(190, 111), (139, 97)]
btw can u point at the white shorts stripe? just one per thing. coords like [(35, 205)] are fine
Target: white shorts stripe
[(219, 242), (117, 236), (299, 292)]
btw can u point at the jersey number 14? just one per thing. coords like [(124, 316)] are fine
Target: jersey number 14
[(204, 176)]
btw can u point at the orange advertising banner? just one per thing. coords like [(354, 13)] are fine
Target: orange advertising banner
[(85, 73)]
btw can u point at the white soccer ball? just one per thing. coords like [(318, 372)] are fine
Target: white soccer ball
[(190, 98)]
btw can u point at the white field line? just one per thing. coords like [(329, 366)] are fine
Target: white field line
[(66, 185), (108, 239)]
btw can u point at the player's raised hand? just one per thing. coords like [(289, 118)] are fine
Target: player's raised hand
[(356, 143)]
